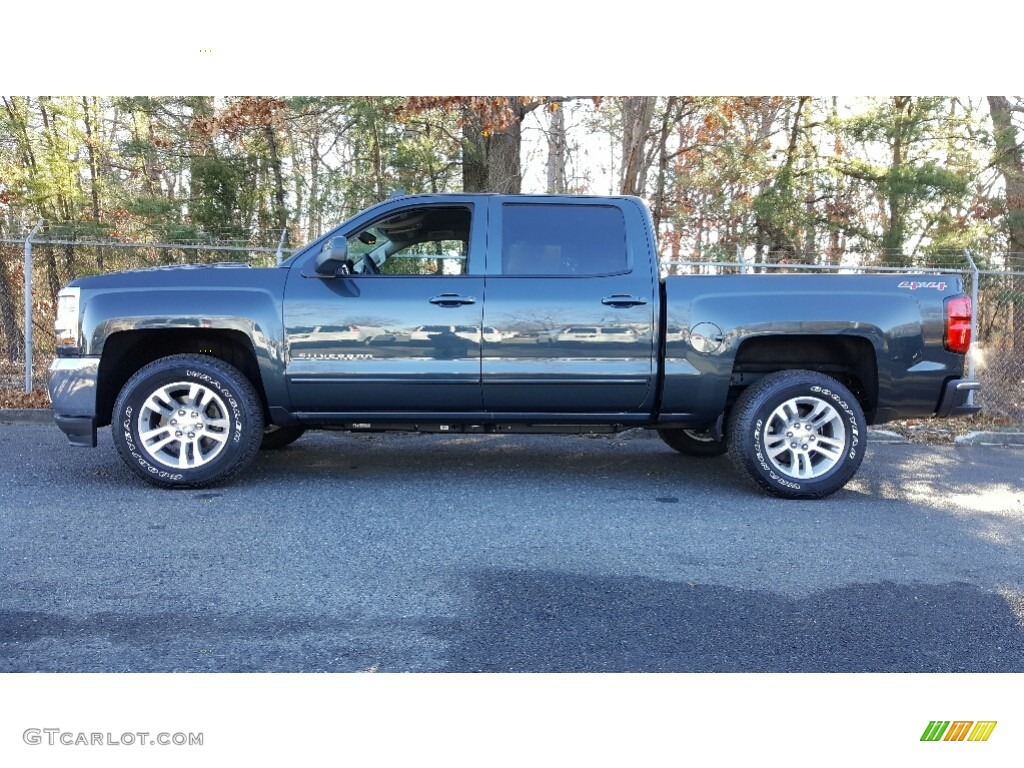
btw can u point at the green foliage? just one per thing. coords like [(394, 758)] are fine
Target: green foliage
[(915, 159), (899, 179), (224, 195), (386, 153)]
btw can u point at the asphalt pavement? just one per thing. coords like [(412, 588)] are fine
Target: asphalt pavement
[(459, 553)]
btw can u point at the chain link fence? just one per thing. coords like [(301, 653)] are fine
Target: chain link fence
[(55, 262), (998, 350)]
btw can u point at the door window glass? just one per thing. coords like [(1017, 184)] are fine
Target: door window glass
[(565, 240), (414, 241)]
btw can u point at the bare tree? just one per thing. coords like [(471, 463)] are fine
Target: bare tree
[(1010, 163), (637, 113), (556, 151)]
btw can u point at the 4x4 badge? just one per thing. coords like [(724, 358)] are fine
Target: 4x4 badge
[(913, 286)]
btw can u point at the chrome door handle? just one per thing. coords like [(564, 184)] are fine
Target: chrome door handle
[(452, 300), (623, 300)]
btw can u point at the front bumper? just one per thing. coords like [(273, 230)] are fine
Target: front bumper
[(72, 385), (956, 399)]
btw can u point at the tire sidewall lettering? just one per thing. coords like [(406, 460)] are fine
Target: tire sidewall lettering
[(851, 418), (129, 438), (226, 393)]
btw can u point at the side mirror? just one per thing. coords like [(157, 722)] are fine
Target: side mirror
[(333, 257)]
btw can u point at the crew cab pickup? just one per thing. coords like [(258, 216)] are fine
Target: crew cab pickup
[(198, 367)]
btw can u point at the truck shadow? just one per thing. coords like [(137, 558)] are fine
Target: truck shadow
[(563, 622), (345, 457)]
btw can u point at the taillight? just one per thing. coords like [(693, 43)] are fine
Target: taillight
[(958, 324)]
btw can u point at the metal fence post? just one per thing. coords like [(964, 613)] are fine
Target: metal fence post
[(28, 308), (742, 260), (280, 245), (974, 319)]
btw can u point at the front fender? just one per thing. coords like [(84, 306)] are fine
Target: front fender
[(253, 312)]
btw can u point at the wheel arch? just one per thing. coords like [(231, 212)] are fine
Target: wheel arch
[(126, 352), (851, 360)]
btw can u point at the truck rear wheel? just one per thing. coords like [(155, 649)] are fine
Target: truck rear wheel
[(797, 434), (186, 421), (693, 442)]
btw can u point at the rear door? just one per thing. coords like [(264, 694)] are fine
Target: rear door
[(572, 300)]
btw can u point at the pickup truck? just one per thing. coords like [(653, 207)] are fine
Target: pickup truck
[(198, 367)]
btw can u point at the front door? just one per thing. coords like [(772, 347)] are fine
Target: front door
[(400, 331)]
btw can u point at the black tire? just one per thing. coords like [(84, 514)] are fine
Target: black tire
[(797, 434), (693, 442), (187, 421), (275, 437)]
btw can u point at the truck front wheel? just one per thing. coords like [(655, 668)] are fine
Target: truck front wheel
[(186, 421), (797, 434)]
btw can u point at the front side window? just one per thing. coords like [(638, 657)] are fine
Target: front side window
[(414, 241), (568, 240)]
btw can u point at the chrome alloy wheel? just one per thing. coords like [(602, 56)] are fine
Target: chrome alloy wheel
[(805, 437), (183, 425)]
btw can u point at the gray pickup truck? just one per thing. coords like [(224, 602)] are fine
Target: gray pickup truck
[(489, 313)]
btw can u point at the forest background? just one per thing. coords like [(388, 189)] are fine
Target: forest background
[(894, 181)]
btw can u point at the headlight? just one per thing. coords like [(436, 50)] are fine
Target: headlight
[(67, 317)]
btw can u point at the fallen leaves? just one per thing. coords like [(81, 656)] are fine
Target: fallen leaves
[(13, 399)]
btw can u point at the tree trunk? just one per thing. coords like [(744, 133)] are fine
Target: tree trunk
[(491, 159), (14, 339), (146, 171), (474, 153), (53, 279), (299, 176), (658, 207), (63, 207), (314, 186), (779, 228), (377, 158), (836, 208), (556, 152), (893, 235), (504, 172), (1011, 165), (90, 141), (811, 200), (1010, 162), (280, 211), (153, 170), (637, 112)]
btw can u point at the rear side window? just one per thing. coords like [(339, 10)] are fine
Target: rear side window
[(565, 240)]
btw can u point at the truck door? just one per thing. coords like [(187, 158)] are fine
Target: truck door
[(571, 303), (400, 328)]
